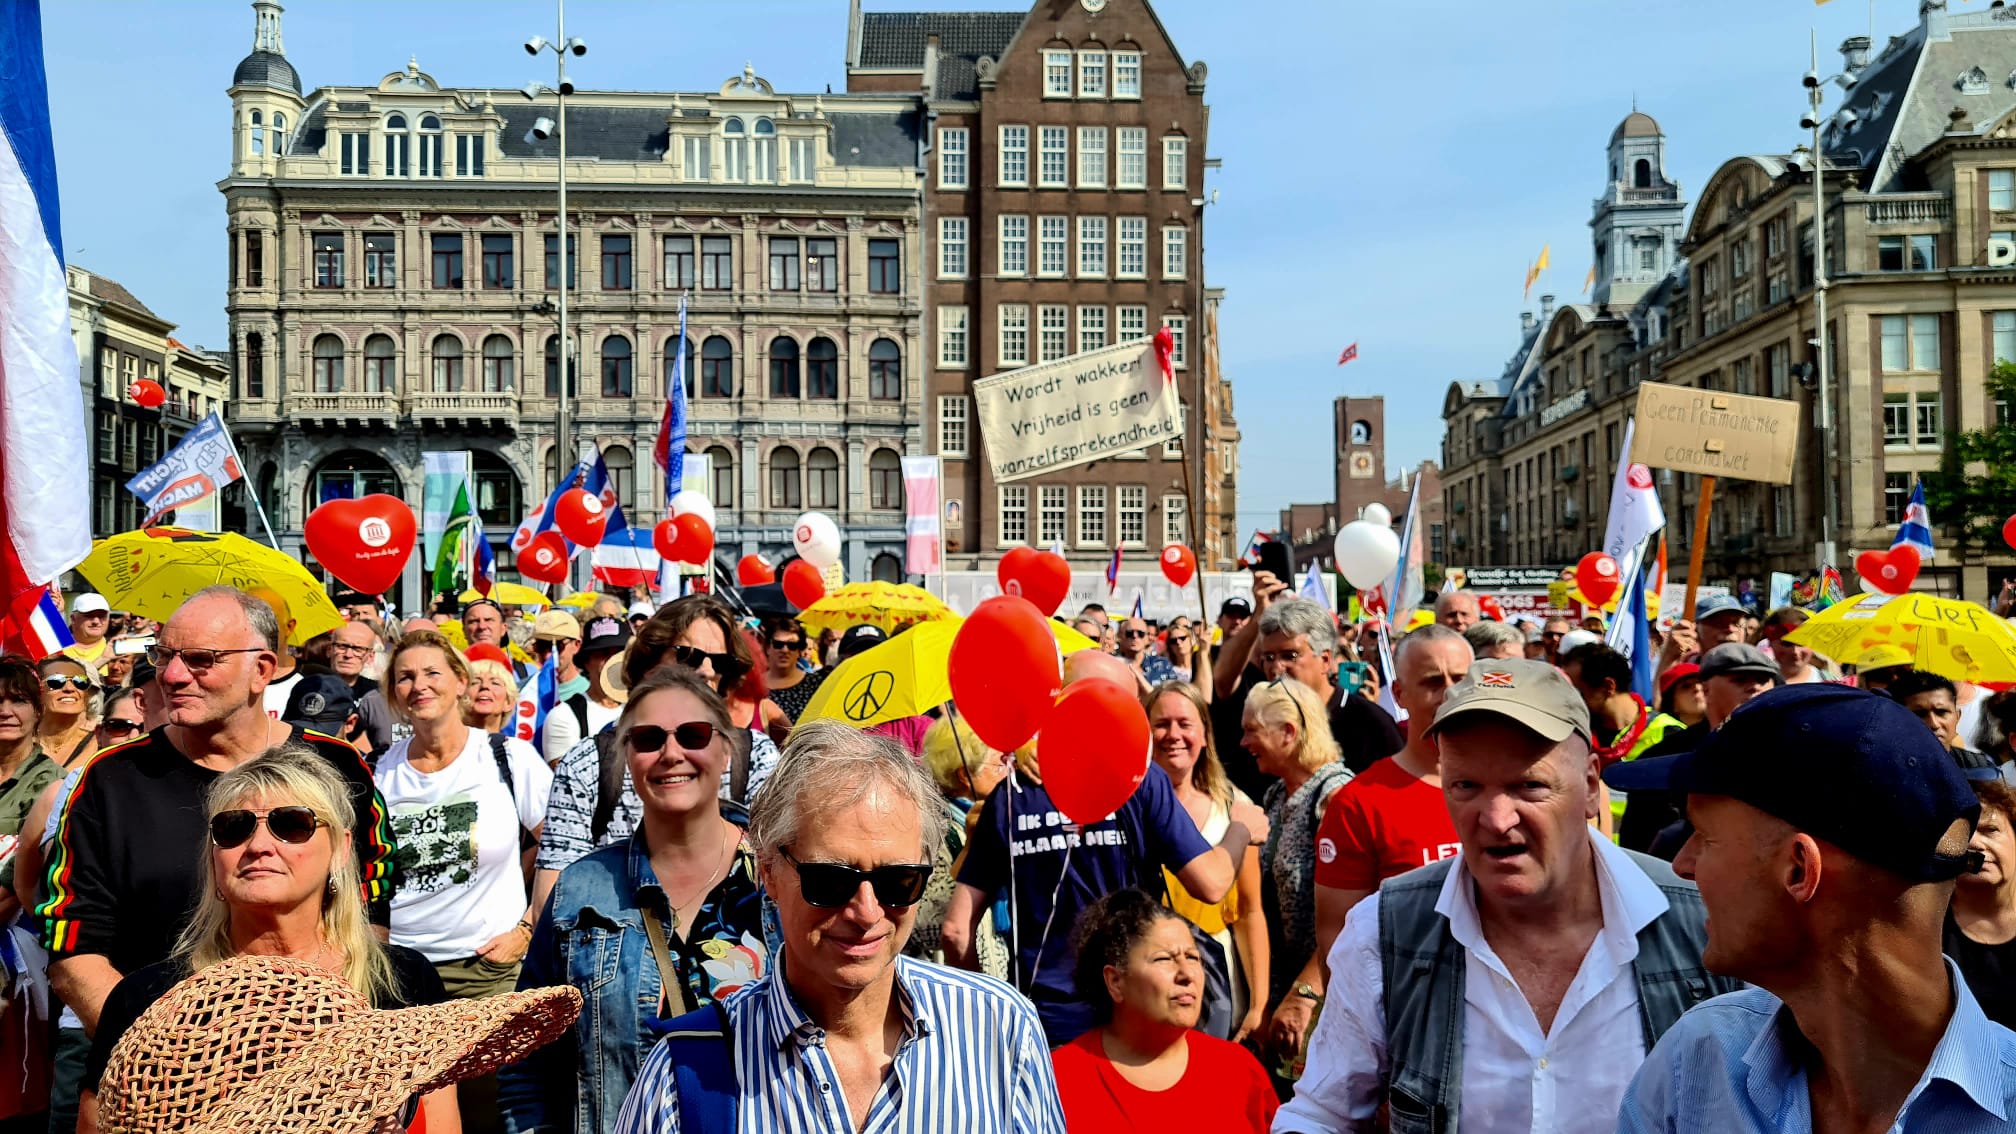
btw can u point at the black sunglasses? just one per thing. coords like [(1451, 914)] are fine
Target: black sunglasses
[(56, 682), (728, 666), (829, 885), (1135, 634), (780, 644), (119, 726), (692, 736), (293, 824)]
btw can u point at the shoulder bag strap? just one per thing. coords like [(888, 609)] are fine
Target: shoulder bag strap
[(672, 990), (703, 1068), (609, 771), (738, 765)]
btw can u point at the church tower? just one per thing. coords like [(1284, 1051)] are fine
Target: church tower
[(1640, 218)]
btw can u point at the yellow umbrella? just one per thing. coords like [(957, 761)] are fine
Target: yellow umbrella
[(1960, 640), (511, 594), (904, 676), (887, 605), (580, 600), (151, 571)]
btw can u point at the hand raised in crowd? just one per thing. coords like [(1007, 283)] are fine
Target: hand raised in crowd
[(1266, 588), (1680, 641)]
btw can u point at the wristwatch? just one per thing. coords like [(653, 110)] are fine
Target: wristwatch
[(1303, 990)]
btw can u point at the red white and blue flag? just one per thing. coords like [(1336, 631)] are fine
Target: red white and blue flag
[(44, 632), (483, 572), (1915, 532), (590, 474), (1113, 573), (670, 452), (1251, 556), (542, 694)]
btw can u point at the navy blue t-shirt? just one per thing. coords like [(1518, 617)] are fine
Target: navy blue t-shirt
[(1129, 848)]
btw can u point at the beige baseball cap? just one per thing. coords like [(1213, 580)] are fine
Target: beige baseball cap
[(1528, 692), (556, 626)]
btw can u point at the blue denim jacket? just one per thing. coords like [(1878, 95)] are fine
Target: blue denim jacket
[(591, 936)]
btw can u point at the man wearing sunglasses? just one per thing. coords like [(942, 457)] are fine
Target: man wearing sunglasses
[(845, 1027), (1136, 641)]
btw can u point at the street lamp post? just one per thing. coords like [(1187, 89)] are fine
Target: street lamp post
[(542, 129), (1822, 352)]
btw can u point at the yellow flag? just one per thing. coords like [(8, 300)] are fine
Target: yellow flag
[(1538, 266), (1541, 265), (1589, 284)]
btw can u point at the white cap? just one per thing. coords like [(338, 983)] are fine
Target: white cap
[(88, 602), (641, 609), (1575, 638)]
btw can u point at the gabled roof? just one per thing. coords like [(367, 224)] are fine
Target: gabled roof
[(113, 292), (1903, 98), (894, 41)]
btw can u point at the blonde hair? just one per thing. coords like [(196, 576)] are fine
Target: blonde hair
[(1287, 701), (490, 667), (431, 640), (296, 773), (1209, 772)]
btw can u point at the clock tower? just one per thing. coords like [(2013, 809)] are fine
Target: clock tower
[(1359, 426)]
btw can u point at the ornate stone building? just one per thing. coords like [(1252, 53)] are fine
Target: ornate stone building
[(394, 258)]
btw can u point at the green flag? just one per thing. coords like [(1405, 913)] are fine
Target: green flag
[(451, 559)]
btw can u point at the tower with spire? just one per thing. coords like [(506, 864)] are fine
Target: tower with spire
[(266, 102), (1641, 217)]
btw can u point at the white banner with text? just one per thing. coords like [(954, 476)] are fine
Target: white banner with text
[(1075, 410)]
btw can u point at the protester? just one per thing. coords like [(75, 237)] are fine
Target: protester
[(1233, 613), (602, 639), (321, 703), (287, 665), (1732, 674), (1188, 652), (748, 700), (90, 621), (1794, 660), (966, 772), (665, 922), (1458, 610), (1624, 726), (556, 634), (68, 689), (117, 664), (1877, 666), (1830, 905), (122, 722), (1145, 1068), (639, 613), (493, 697), (25, 766), (790, 686), (1980, 932), (843, 834), (353, 649), (1719, 619), (1495, 640), (1136, 641), (1682, 694), (1551, 633)]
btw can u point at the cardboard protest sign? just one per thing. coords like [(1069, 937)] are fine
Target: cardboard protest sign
[(1075, 410), (1709, 433)]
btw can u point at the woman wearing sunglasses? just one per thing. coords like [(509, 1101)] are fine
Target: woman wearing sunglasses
[(25, 769), (279, 879), (68, 688), (666, 921)]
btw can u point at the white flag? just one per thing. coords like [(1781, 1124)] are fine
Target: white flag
[(1634, 505)]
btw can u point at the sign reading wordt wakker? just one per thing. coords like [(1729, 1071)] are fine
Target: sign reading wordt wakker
[(1075, 410)]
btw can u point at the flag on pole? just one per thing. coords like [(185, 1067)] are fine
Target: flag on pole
[(1915, 532), (1138, 611), (1630, 632), (1251, 555), (1350, 352), (1312, 587), (541, 694), (591, 474), (1589, 285), (44, 632), (1533, 272), (483, 572), (199, 465), (1405, 588), (455, 558), (670, 453), (1113, 573), (1635, 514), (921, 533)]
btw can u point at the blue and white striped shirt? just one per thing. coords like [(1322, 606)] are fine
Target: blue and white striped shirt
[(972, 1060)]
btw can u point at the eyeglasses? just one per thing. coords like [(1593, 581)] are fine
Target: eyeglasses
[(728, 666), (788, 647), (119, 726), (693, 736), (292, 824), (346, 648), (197, 660), (829, 885), (1299, 714), (57, 682), (1135, 634)]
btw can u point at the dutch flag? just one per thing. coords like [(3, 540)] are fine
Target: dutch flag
[(1915, 531)]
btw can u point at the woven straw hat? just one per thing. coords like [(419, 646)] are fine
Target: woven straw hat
[(272, 1045), (612, 675)]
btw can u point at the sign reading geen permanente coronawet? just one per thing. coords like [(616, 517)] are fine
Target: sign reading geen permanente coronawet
[(1075, 410)]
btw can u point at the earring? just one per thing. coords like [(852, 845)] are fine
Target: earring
[(332, 886)]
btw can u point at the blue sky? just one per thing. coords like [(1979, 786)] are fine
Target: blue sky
[(1390, 166)]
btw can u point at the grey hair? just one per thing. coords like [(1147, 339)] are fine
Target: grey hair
[(827, 766), (257, 614), (1297, 617), (1484, 635), (1432, 632)]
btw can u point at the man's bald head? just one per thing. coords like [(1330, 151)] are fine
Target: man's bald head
[(1087, 664)]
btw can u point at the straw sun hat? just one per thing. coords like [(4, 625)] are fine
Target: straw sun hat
[(271, 1045)]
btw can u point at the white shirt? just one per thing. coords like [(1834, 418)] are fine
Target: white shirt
[(1515, 1078), (277, 693), (563, 731)]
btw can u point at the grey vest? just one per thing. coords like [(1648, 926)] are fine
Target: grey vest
[(1424, 969)]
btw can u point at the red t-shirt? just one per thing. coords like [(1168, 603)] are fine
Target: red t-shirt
[(1223, 1089), (1386, 821)]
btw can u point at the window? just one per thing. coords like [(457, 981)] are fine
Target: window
[(1091, 515), (2002, 190), (1778, 371), (1013, 257), (2003, 328), (1925, 342), (697, 152), (1927, 418), (1054, 329), (951, 157), (885, 371), (951, 425), (1739, 259), (1174, 527), (1091, 157), (1894, 341), (356, 155), (1091, 328), (1091, 247), (763, 167), (1776, 288), (1012, 514), (717, 368), (497, 272), (498, 362), (553, 368), (618, 368), (885, 481), (1091, 74), (783, 263), (255, 366), (446, 249), (1132, 143), (678, 263), (822, 264), (1013, 320), (1126, 74), (106, 434), (1131, 322), (327, 371), (951, 248), (1056, 74), (717, 263), (430, 146), (1175, 161), (1053, 245), (1179, 333), (622, 474), (951, 336), (735, 150), (1175, 252), (1014, 168), (1054, 157), (1741, 378), (1896, 496), (804, 160), (255, 258), (885, 267), (328, 259), (381, 365), (822, 369), (447, 364), (468, 155), (1896, 419), (679, 366), (1924, 253), (1889, 253), (1130, 514), (784, 488), (822, 479), (616, 263), (1053, 517), (721, 468), (553, 263)]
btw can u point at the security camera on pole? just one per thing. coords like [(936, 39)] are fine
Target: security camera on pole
[(542, 129)]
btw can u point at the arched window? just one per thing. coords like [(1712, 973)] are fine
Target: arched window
[(498, 363), (886, 568), (1641, 175), (622, 474), (430, 146), (279, 133), (734, 150), (764, 167), (784, 478), (381, 365), (258, 133), (885, 371), (721, 470), (616, 367), (717, 368), (822, 479), (447, 364), (553, 368), (398, 147), (255, 365), (783, 367), (395, 122), (328, 364), (822, 368), (885, 481), (500, 502), (681, 366)]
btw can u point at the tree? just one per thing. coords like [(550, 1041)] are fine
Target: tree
[(1973, 506)]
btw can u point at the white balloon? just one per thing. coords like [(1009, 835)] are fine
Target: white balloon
[(1366, 552), (817, 539), (693, 500), (1376, 513)]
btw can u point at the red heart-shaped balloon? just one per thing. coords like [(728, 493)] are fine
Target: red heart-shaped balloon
[(1042, 577), (1004, 671), (581, 517), (544, 559), (363, 542), (1890, 572)]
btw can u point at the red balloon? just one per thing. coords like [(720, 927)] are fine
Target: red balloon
[(1597, 576), (147, 393), (665, 538), (1889, 571), (753, 571), (1005, 671), (580, 515), (695, 539), (1094, 750), (363, 542), (1179, 564), (1008, 572), (1042, 577), (2009, 531), (544, 560), (803, 584), (1489, 608)]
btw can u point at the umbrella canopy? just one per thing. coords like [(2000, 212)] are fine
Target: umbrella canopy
[(151, 572), (887, 605), (509, 594), (904, 676), (1960, 640), (580, 600)]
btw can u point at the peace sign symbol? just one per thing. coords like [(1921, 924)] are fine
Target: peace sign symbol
[(866, 696)]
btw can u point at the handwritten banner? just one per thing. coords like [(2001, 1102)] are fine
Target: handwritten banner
[(1710, 433), (1085, 408)]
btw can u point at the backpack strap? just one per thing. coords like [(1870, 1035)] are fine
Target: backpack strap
[(503, 759), (702, 1051), (610, 770)]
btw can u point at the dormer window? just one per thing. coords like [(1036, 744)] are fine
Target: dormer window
[(735, 150), (398, 147)]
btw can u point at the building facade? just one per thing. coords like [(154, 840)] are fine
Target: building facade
[(395, 262), (1064, 211)]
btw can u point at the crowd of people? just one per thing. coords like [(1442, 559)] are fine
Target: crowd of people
[(1463, 877)]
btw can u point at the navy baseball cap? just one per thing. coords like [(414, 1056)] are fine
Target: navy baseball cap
[(324, 701), (1840, 764)]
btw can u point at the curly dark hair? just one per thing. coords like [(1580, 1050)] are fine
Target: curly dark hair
[(1105, 933), (654, 640)]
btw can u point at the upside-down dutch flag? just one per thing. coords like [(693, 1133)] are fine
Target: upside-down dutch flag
[(1113, 573), (1915, 531), (45, 489), (44, 632), (670, 451)]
